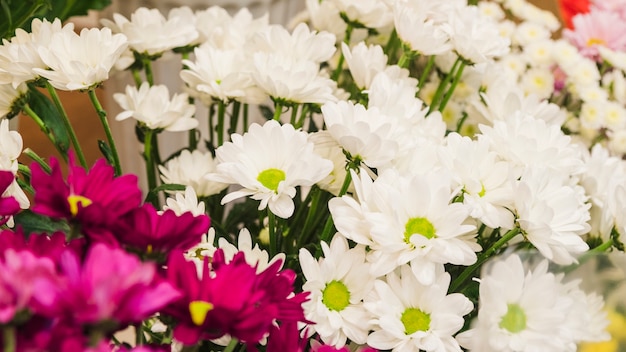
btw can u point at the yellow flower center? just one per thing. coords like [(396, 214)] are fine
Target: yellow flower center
[(74, 200), (596, 41), (270, 178), (336, 296), (415, 319), (198, 311), (514, 320), (420, 226)]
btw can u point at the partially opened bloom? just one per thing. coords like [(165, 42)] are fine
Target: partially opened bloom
[(94, 199), (230, 298), (110, 285), (147, 230), (269, 162), (80, 61), (152, 106)]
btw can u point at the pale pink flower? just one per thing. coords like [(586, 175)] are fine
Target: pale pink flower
[(597, 29)]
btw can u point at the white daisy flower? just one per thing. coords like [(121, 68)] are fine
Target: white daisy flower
[(324, 16), (412, 317), (417, 28), (364, 62), (10, 99), (10, 149), (183, 203), (327, 147), (150, 33), (190, 169), (153, 107), (529, 310), (269, 162), (538, 81), (337, 283), (255, 256), (528, 32), (552, 214), (300, 45), (369, 13), (80, 61), (218, 29)]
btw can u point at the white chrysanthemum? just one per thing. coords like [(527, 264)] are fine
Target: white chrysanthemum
[(527, 141), (364, 133), (475, 37), (540, 52), (10, 149), (592, 115), (300, 45), (412, 317), (615, 115), (365, 62), (529, 32), (486, 181), (190, 169), (369, 13), (255, 256), (538, 81), (418, 30), (217, 75), (491, 10), (10, 97), (183, 203), (327, 147), (19, 55), (529, 310), (153, 107), (552, 214), (337, 283), (218, 29), (324, 16), (269, 162), (150, 33), (80, 61)]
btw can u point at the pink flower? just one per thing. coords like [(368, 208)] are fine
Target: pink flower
[(94, 200), (146, 230), (286, 337), (20, 273), (231, 298), (43, 245), (597, 28), (109, 286), (8, 205)]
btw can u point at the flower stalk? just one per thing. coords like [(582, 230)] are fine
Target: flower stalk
[(8, 339), (107, 130)]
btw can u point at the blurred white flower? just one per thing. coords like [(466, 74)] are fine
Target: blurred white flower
[(412, 317), (183, 203), (80, 61), (364, 62), (419, 31), (153, 107), (337, 283), (218, 29), (369, 13), (190, 169), (329, 149), (150, 33), (10, 98), (301, 44), (269, 162)]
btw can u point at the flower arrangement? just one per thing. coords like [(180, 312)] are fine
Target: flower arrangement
[(407, 158)]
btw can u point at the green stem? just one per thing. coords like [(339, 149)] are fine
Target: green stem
[(303, 114), (231, 345), (589, 254), (278, 110), (107, 130), (234, 118), (442, 87), (392, 46), (272, 230), (36, 158), (136, 77), (148, 155), (314, 195), (147, 67), (42, 126), (339, 68), (328, 227), (294, 114), (406, 58), (455, 82), (66, 122), (221, 114), (245, 117), (8, 339), (429, 66), (140, 338), (460, 280), (211, 125)]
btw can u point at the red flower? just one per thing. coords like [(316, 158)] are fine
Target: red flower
[(570, 8)]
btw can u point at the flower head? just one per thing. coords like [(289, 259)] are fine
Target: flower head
[(191, 169)]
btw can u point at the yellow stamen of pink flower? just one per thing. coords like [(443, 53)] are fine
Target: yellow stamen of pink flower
[(74, 200), (596, 41), (199, 310)]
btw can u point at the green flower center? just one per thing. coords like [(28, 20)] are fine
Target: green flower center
[(514, 320), (270, 178), (419, 226), (336, 296), (415, 319), (482, 190), (74, 200)]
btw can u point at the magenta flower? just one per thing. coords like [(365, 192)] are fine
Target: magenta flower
[(230, 298), (597, 28), (286, 337), (49, 246), (151, 232), (110, 286), (95, 200), (8, 205), (20, 274)]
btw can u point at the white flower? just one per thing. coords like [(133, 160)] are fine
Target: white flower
[(19, 55), (153, 107), (190, 169), (150, 33), (416, 28), (529, 32), (10, 98), (80, 61), (10, 149), (528, 310), (364, 62), (474, 37), (217, 75), (255, 256), (324, 16), (300, 45), (183, 203), (538, 81), (222, 31), (369, 13), (552, 214), (412, 317), (337, 283), (364, 133), (327, 147), (268, 163)]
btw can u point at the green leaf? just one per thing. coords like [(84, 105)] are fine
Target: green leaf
[(65, 9), (106, 151), (33, 223), (51, 117), (17, 14), (154, 193)]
